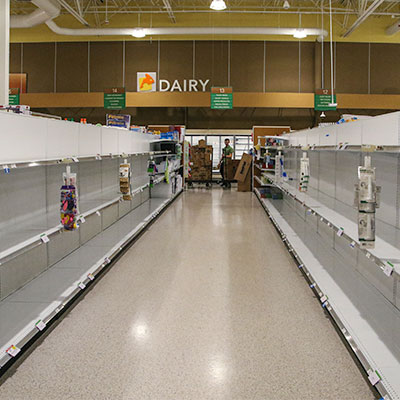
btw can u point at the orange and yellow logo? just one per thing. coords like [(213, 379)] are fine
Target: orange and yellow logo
[(146, 81)]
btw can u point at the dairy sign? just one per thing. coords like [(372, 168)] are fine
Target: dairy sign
[(147, 82)]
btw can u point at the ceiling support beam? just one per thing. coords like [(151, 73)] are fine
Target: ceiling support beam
[(363, 17), (73, 12), (170, 12)]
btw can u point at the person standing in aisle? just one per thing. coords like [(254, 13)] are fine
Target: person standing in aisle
[(227, 152)]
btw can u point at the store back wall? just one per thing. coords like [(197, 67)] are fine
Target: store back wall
[(246, 66)]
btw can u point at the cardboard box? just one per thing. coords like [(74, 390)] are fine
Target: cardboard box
[(244, 167), (231, 168), (245, 186), (243, 173)]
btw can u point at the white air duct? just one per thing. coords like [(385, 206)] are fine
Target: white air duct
[(46, 11), (392, 29), (184, 31)]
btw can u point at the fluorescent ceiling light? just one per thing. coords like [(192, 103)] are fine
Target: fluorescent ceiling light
[(299, 34), (218, 5), (138, 33), (286, 5)]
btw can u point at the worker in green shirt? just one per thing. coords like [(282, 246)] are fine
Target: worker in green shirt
[(227, 152)]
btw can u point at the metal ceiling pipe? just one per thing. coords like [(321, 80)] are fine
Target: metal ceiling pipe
[(171, 31), (46, 11)]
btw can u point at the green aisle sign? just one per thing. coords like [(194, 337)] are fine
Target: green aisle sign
[(221, 98), (322, 99), (13, 97), (115, 98)]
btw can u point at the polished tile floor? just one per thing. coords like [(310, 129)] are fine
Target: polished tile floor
[(207, 304)]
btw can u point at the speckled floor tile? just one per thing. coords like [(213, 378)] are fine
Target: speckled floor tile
[(207, 304)]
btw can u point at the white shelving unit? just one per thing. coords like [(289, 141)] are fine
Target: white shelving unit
[(320, 229), (39, 278)]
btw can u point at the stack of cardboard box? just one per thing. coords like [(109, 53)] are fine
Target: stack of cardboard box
[(201, 157)]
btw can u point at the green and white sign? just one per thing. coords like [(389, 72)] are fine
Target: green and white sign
[(115, 99), (221, 98), (13, 97), (323, 99)]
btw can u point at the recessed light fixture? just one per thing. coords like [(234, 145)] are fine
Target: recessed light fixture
[(286, 5), (218, 5), (299, 34), (138, 33)]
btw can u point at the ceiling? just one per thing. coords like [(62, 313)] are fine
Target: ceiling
[(368, 18)]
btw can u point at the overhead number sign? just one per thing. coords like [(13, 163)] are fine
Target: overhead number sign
[(221, 98), (323, 100), (13, 97), (114, 98)]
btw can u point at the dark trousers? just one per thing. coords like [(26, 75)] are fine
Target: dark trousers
[(222, 170), (225, 181)]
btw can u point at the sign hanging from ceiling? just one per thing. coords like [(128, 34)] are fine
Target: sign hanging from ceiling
[(147, 82), (323, 100), (114, 98), (221, 98), (13, 96)]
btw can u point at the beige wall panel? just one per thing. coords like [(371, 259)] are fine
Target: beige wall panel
[(15, 58), (385, 68), (307, 77), (282, 67), (139, 57), (176, 60), (72, 67), (247, 64), (39, 67), (105, 65), (212, 62)]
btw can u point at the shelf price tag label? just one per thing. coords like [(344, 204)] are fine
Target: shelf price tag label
[(82, 285), (13, 351), (75, 159), (44, 238), (323, 299), (389, 267), (6, 169), (373, 377), (98, 213), (82, 218), (40, 325), (352, 244), (91, 277), (340, 232)]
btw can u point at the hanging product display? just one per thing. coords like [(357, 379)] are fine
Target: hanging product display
[(278, 167), (304, 173), (125, 180), (166, 173), (366, 201), (69, 201)]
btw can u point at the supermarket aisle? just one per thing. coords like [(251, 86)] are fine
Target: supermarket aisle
[(206, 305)]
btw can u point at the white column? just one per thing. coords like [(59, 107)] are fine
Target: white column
[(4, 49)]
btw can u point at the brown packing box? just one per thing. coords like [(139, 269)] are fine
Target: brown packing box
[(245, 186), (243, 173), (231, 168)]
